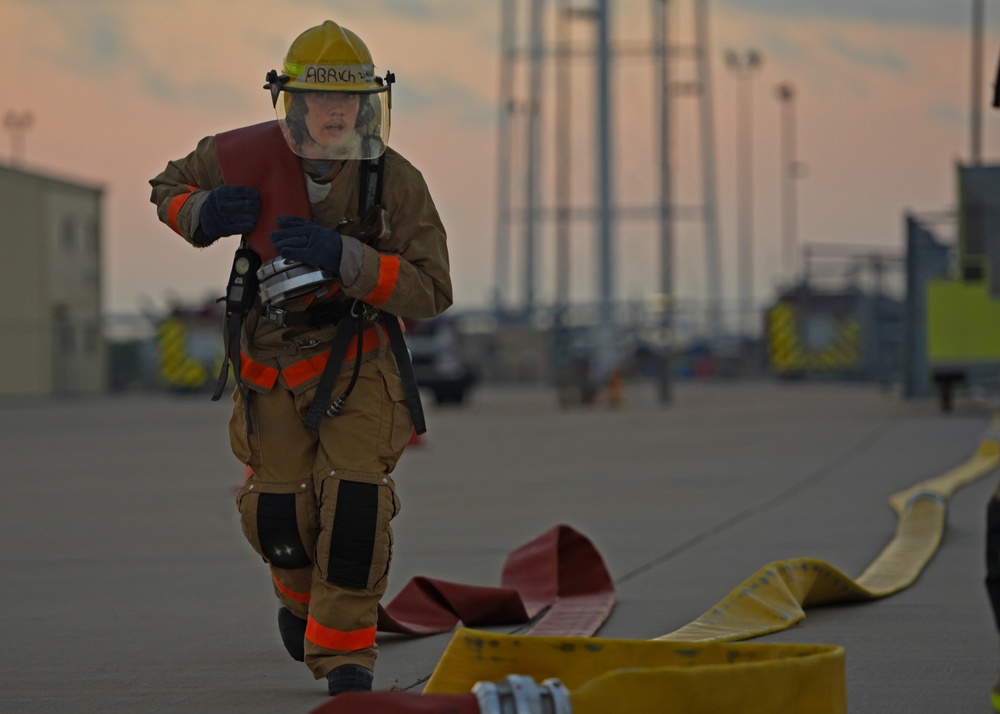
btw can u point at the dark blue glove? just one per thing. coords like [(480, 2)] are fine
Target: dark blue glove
[(308, 242), (228, 210)]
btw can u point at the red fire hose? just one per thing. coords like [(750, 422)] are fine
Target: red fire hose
[(560, 570)]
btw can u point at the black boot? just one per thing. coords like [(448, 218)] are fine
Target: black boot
[(293, 633), (349, 678)]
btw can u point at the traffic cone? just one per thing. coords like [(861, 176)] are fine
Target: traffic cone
[(616, 389)]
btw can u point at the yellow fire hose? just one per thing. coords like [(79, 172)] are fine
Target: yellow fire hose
[(605, 675), (773, 598), (697, 668)]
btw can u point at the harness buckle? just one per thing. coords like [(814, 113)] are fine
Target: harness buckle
[(275, 315)]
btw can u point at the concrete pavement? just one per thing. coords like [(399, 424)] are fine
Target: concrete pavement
[(127, 587)]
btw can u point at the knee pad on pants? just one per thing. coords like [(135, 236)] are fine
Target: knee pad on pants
[(355, 545), (281, 527)]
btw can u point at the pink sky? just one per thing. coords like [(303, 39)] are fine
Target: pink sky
[(117, 88)]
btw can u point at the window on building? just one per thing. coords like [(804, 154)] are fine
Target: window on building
[(93, 235), (65, 330), (68, 234), (91, 338)]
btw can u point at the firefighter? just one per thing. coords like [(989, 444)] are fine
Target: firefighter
[(993, 512), (340, 235), (993, 573)]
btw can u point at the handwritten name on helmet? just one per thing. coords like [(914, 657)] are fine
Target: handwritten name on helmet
[(329, 75)]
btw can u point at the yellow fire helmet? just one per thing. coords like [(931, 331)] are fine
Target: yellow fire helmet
[(330, 102)]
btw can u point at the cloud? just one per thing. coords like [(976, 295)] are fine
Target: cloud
[(416, 9), (158, 85), (868, 57), (87, 38), (949, 115), (933, 13), (97, 39), (779, 45), (421, 10), (106, 41), (442, 94)]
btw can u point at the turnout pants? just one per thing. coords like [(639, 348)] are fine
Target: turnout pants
[(317, 505)]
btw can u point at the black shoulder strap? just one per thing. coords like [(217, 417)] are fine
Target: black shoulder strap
[(370, 193), (370, 196), (397, 343), (241, 292)]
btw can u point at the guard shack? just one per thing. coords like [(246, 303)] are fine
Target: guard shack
[(953, 305), (843, 319), (50, 286)]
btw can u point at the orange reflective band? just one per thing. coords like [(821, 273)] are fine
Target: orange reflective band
[(175, 206), (297, 597), (331, 639), (259, 374), (388, 273), (304, 370)]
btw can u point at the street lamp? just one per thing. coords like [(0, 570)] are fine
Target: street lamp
[(743, 66), (789, 173), (17, 125)]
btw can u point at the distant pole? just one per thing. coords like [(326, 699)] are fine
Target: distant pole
[(604, 251), (789, 174), (661, 32), (743, 66), (563, 156), (604, 187), (662, 43), (976, 115), (713, 252), (534, 157), (507, 53), (18, 125)]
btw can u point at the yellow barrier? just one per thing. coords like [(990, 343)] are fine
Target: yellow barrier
[(697, 668)]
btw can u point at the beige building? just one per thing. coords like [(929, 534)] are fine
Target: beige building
[(51, 342)]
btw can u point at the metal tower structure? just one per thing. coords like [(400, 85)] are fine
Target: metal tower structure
[(521, 128)]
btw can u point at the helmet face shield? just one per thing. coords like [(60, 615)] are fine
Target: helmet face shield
[(334, 124), (329, 101)]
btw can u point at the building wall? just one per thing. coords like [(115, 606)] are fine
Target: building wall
[(50, 286)]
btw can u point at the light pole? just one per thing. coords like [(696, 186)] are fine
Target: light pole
[(661, 34), (789, 173), (743, 66), (976, 115), (17, 125), (531, 184), (508, 16), (607, 357)]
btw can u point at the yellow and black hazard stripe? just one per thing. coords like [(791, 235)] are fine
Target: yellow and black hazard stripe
[(788, 356), (177, 369)]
